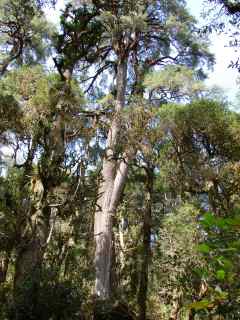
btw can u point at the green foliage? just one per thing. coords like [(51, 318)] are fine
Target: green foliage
[(178, 80), (131, 20), (196, 134), (222, 234), (25, 33), (80, 35), (177, 259), (37, 94), (10, 113), (11, 206)]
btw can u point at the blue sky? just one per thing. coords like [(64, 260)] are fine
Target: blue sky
[(221, 76)]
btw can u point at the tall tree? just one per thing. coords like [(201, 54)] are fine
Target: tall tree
[(141, 35), (48, 104)]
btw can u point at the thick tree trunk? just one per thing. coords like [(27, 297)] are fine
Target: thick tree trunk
[(146, 250), (27, 263), (30, 252), (113, 179)]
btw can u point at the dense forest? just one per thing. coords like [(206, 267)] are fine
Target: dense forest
[(119, 166)]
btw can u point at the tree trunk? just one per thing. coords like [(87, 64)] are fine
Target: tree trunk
[(146, 249), (110, 189), (4, 262), (121, 243), (175, 305), (31, 250), (37, 233)]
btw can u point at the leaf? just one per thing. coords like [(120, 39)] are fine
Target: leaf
[(220, 275), (200, 305), (208, 220), (222, 223), (203, 248)]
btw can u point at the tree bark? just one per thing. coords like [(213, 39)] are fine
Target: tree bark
[(175, 306), (4, 262), (29, 262), (122, 244), (37, 233), (113, 180), (146, 249), (15, 53)]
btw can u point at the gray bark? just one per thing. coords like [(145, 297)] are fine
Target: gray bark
[(113, 180)]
